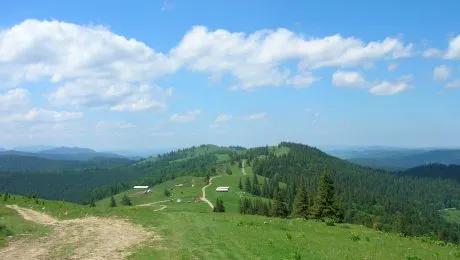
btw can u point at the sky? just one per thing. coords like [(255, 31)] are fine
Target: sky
[(127, 75)]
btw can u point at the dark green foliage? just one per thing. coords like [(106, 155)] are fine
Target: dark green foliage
[(254, 207), (113, 203), (126, 201), (92, 204), (255, 188), (229, 171), (247, 185), (325, 206), (367, 196), (6, 196), (5, 231), (301, 202), (167, 193), (219, 207), (240, 184), (280, 205), (435, 170)]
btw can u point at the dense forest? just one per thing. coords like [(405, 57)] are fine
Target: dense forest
[(365, 196), (435, 170)]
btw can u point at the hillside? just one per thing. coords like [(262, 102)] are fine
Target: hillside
[(436, 171), (64, 153), (12, 162), (408, 159), (188, 229)]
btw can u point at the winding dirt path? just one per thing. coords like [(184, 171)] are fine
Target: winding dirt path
[(84, 238), (152, 203), (242, 167), (203, 191)]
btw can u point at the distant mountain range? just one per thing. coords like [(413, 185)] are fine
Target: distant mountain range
[(405, 158), (64, 153)]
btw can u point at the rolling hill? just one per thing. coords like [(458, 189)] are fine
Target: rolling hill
[(435, 171), (64, 153)]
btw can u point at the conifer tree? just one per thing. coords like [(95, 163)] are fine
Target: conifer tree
[(240, 184), (247, 185), (301, 202), (325, 206), (280, 207), (255, 186), (113, 203), (92, 204)]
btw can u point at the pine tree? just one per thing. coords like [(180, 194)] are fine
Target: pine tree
[(219, 206), (325, 206), (255, 186), (280, 207), (247, 185), (92, 204), (113, 203), (126, 201), (301, 201), (240, 184)]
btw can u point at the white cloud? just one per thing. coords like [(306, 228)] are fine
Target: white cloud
[(14, 99), (348, 79), (453, 84), (453, 52), (111, 95), (308, 110), (221, 120), (256, 59), (393, 66), (432, 52), (42, 115), (256, 116), (386, 88), (187, 117), (92, 65), (441, 73)]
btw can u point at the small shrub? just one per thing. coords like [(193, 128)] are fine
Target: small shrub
[(457, 254), (288, 236), (355, 237), (413, 258), (367, 239), (329, 222), (5, 231), (296, 256)]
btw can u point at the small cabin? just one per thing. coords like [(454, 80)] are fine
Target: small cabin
[(223, 189), (140, 187)]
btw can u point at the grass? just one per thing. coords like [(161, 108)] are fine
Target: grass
[(12, 225), (190, 230)]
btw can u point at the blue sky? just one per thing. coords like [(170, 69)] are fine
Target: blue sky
[(159, 74)]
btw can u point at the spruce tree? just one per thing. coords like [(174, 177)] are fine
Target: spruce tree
[(301, 202), (325, 206), (255, 186), (280, 207), (113, 203), (92, 204), (247, 185), (240, 184)]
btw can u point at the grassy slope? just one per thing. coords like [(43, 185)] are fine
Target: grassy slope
[(11, 224), (191, 231)]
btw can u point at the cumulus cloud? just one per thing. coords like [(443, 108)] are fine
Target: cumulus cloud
[(257, 59), (108, 94), (441, 73), (348, 79), (256, 116), (14, 99), (35, 114), (185, 118), (453, 52), (387, 88)]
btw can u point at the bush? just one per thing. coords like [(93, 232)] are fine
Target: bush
[(329, 222), (167, 193), (413, 258), (5, 231), (126, 201), (288, 236), (355, 237)]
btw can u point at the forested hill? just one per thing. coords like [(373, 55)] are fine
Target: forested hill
[(367, 196), (12, 162), (435, 170), (64, 153)]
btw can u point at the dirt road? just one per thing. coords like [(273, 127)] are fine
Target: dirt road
[(203, 190), (242, 167), (84, 238)]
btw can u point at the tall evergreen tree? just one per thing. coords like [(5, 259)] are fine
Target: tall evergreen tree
[(301, 202), (255, 186), (240, 184), (113, 203), (125, 200), (247, 185), (325, 206), (280, 207)]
